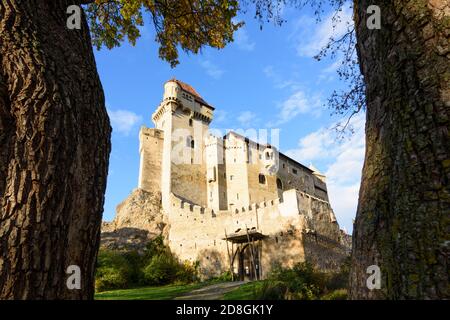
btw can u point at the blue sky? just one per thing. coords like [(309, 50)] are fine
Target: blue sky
[(265, 79)]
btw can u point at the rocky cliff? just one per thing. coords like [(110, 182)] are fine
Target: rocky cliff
[(138, 219)]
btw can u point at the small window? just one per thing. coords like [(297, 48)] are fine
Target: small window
[(231, 177), (279, 184), (237, 196), (262, 178), (190, 122), (294, 171), (284, 166), (192, 144), (267, 156)]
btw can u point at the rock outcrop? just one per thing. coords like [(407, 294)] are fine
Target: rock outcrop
[(138, 219)]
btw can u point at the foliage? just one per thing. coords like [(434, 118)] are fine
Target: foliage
[(113, 271), (157, 266), (303, 282), (188, 24), (193, 24), (161, 269), (224, 277)]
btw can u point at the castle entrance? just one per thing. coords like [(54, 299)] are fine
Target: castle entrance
[(245, 254)]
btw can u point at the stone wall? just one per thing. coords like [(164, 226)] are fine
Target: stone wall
[(150, 150), (299, 228)]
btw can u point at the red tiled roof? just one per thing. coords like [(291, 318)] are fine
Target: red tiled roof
[(189, 89)]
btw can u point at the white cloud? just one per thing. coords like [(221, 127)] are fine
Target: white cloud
[(123, 121), (247, 118), (297, 103), (309, 43), (279, 81), (220, 116), (343, 171), (243, 41), (212, 69)]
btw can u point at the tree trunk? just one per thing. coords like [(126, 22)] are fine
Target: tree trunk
[(54, 150), (402, 223)]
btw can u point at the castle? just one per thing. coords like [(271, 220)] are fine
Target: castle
[(232, 203)]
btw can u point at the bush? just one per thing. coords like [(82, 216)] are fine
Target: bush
[(303, 282), (187, 272), (272, 290), (161, 269), (300, 282), (113, 271), (223, 277), (157, 266), (165, 268)]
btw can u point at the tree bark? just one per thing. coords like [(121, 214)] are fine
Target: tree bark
[(54, 150), (402, 222)]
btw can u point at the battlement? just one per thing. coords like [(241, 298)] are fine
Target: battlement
[(291, 204)]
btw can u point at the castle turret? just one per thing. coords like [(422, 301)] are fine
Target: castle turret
[(183, 116)]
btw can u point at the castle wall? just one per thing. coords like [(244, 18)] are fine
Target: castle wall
[(196, 233), (236, 172), (150, 149), (188, 174)]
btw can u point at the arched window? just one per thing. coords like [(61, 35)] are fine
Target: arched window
[(279, 184), (262, 179), (192, 144)]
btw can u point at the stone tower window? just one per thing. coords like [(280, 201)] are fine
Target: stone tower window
[(279, 184), (192, 144), (190, 122), (262, 178)]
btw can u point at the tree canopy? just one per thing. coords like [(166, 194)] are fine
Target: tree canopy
[(190, 25), (185, 24)]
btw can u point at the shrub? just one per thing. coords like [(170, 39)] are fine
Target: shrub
[(302, 281), (113, 271), (223, 277), (157, 266), (271, 290), (187, 272), (161, 269)]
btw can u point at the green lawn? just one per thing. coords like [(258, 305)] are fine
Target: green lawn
[(244, 292), (148, 293)]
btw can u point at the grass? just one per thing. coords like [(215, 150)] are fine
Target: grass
[(148, 293), (246, 291)]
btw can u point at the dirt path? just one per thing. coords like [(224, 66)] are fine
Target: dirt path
[(212, 292)]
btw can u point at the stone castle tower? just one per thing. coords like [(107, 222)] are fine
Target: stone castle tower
[(233, 203)]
